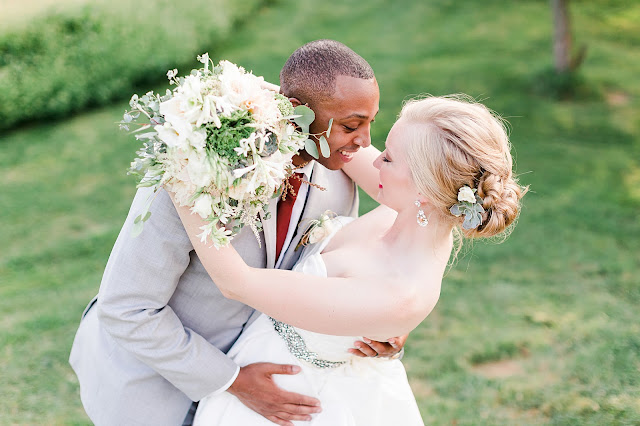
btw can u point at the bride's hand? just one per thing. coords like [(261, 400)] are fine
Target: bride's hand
[(373, 348)]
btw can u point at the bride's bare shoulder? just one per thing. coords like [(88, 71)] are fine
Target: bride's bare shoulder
[(370, 224), (380, 218)]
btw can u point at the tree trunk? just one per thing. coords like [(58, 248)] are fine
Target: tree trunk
[(561, 35)]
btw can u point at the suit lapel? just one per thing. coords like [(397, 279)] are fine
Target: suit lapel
[(313, 204), (269, 229)]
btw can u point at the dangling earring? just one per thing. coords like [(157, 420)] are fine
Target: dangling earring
[(421, 218)]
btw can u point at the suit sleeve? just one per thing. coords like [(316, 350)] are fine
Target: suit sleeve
[(140, 278)]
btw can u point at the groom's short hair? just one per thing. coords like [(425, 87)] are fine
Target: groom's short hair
[(310, 72)]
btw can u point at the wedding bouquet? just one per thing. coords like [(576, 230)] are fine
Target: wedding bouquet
[(220, 141)]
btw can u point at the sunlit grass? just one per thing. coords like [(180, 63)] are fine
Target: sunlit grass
[(541, 329)]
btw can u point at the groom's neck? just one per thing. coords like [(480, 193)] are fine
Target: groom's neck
[(301, 158)]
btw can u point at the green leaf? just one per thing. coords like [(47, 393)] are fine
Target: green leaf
[(137, 228), (137, 219), (306, 116), (311, 148), (329, 128), (324, 147), (146, 217)]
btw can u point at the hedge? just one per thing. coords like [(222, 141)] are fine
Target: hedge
[(66, 61)]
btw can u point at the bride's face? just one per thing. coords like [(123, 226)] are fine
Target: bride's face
[(396, 188)]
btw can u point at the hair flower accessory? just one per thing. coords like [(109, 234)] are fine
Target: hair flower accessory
[(469, 205), (318, 229)]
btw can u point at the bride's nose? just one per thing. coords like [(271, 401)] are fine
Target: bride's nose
[(377, 162)]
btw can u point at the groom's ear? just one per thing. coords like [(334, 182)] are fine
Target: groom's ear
[(295, 102)]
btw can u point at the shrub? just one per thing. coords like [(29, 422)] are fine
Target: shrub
[(64, 62)]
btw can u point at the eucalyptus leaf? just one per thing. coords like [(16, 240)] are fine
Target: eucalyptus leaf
[(477, 208), (311, 148), (137, 229), (324, 147), (329, 128), (306, 116)]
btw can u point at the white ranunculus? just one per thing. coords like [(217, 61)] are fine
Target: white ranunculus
[(237, 87), (466, 194), (203, 206)]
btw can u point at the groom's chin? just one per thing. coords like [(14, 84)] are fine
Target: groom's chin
[(331, 163)]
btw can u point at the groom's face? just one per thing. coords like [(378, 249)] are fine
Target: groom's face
[(353, 108)]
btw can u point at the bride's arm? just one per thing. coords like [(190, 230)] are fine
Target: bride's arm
[(360, 169), (341, 306)]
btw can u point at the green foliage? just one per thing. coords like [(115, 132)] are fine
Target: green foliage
[(223, 139), (562, 86), (64, 62)]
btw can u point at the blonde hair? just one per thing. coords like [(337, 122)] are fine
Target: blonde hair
[(457, 142)]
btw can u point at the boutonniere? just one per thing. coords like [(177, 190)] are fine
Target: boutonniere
[(318, 229)]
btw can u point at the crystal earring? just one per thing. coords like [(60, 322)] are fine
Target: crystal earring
[(421, 218)]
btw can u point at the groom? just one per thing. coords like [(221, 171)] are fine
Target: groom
[(155, 337)]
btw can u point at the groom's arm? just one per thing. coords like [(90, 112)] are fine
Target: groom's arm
[(140, 278)]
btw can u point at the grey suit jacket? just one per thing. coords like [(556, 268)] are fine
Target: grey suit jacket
[(155, 337)]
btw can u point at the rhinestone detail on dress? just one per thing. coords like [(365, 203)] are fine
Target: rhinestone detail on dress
[(298, 348)]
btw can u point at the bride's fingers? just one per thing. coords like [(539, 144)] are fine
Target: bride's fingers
[(365, 349)]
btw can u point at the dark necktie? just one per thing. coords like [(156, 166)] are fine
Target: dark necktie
[(285, 207)]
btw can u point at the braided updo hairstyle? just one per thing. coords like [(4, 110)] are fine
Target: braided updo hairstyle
[(456, 142)]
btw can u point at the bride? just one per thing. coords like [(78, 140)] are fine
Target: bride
[(446, 169)]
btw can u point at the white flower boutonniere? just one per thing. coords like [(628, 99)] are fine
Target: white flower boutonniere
[(318, 229)]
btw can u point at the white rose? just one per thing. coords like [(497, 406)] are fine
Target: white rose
[(317, 234), (203, 206), (466, 194)]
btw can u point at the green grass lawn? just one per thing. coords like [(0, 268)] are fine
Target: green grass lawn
[(542, 329)]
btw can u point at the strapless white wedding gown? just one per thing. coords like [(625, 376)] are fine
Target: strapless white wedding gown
[(352, 390)]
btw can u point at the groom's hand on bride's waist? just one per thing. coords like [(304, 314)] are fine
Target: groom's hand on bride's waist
[(371, 348), (254, 386)]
